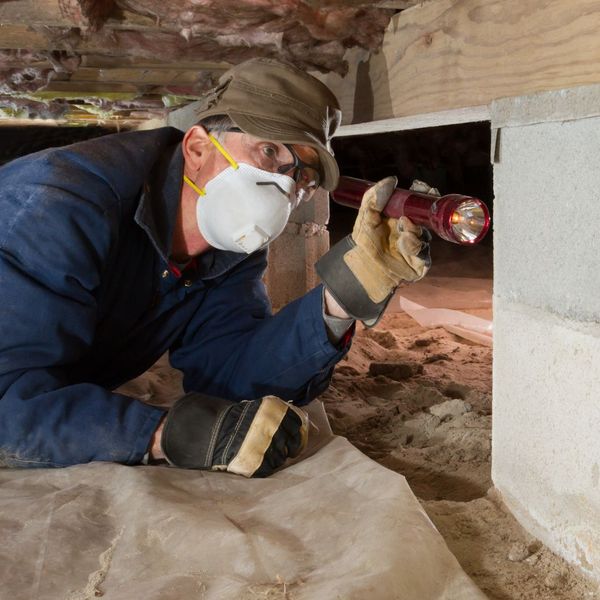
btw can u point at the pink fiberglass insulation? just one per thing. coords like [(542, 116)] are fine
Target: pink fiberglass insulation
[(87, 13), (298, 30), (313, 35), (22, 71)]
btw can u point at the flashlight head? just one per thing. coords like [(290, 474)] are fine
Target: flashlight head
[(460, 219)]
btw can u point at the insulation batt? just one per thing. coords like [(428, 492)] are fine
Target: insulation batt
[(23, 71), (87, 13), (303, 50), (313, 35), (293, 28), (27, 108)]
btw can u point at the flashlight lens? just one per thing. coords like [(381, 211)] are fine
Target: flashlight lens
[(468, 220)]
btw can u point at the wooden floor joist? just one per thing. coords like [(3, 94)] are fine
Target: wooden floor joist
[(50, 13), (136, 76), (99, 61), (22, 37), (81, 89), (450, 54), (471, 114)]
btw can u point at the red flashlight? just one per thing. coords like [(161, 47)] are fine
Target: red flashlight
[(456, 218)]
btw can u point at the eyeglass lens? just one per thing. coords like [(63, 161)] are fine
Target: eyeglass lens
[(287, 160)]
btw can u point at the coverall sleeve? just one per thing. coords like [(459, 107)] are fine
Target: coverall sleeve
[(54, 244), (235, 348)]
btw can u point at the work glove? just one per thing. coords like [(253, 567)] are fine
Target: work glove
[(250, 438), (363, 270)]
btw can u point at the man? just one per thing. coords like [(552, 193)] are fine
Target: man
[(115, 250)]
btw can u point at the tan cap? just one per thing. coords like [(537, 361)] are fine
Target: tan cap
[(276, 101)]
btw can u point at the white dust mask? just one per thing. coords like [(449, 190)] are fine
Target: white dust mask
[(243, 208)]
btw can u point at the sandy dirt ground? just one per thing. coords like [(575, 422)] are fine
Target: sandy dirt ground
[(418, 401)]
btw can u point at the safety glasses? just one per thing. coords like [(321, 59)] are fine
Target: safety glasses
[(297, 162), (306, 176)]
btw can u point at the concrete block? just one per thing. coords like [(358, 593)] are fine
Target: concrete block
[(545, 450), (543, 107), (547, 215)]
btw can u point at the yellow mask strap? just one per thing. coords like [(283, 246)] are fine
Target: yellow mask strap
[(227, 156), (222, 150), (194, 186)]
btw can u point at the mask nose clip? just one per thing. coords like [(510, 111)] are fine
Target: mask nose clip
[(274, 183)]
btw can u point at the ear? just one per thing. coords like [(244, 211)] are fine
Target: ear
[(195, 146)]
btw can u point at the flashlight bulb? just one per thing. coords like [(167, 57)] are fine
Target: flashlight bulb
[(468, 220)]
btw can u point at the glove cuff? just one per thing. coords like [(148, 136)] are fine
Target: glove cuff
[(343, 285), (190, 432)]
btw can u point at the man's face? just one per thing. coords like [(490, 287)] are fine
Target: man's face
[(299, 162)]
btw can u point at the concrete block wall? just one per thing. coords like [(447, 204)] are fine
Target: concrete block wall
[(293, 254), (546, 427)]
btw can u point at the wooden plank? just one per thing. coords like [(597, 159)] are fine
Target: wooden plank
[(51, 14), (139, 76), (108, 62), (117, 54), (38, 12), (458, 53), (78, 89), (471, 114), (13, 122), (400, 4), (20, 36)]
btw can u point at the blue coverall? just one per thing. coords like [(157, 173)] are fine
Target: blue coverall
[(88, 300)]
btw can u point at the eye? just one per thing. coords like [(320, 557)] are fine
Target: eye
[(269, 151)]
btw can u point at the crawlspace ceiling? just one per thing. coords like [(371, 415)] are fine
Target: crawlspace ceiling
[(121, 62)]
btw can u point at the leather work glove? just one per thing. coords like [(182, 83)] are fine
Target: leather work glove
[(363, 270), (420, 186), (250, 438)]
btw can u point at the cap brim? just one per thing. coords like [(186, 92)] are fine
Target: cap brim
[(270, 129)]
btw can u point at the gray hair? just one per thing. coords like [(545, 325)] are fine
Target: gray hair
[(217, 124)]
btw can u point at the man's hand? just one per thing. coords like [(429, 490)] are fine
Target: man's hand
[(251, 438), (362, 271), (387, 251)]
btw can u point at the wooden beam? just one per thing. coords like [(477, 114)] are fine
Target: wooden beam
[(457, 53), (20, 36), (83, 89), (471, 114), (108, 62), (51, 14), (102, 50), (41, 12), (136, 76), (400, 4), (23, 36)]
